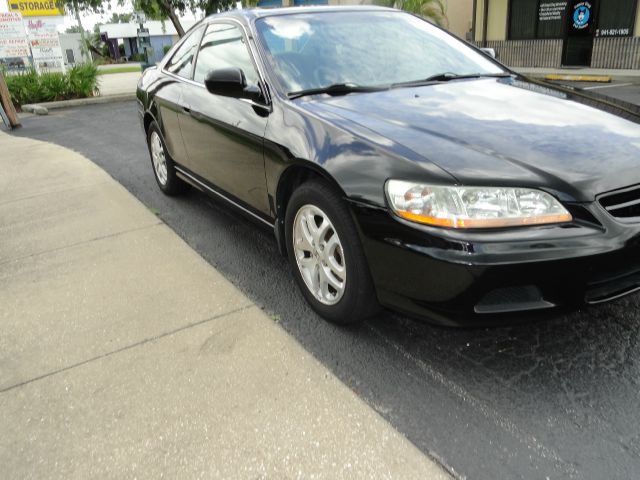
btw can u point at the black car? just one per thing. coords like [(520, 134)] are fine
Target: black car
[(399, 166)]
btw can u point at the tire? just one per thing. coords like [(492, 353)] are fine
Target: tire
[(316, 269), (165, 174)]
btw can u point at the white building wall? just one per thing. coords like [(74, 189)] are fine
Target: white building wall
[(73, 42)]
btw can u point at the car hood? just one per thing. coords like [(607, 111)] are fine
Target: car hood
[(506, 131)]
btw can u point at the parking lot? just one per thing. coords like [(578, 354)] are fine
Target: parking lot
[(552, 399), (625, 90)]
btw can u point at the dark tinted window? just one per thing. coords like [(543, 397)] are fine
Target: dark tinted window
[(551, 18), (523, 17), (616, 18), (181, 62), (530, 19), (223, 46)]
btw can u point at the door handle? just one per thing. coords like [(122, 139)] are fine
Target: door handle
[(186, 110)]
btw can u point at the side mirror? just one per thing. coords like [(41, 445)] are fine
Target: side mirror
[(230, 82), (489, 51)]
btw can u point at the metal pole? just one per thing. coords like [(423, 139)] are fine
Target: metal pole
[(473, 21), (485, 21)]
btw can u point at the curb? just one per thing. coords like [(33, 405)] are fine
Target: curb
[(580, 78), (591, 75), (43, 108)]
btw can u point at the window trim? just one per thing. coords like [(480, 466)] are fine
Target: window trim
[(262, 78), (163, 66), (246, 43)]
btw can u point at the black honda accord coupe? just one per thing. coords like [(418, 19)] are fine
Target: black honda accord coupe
[(399, 166)]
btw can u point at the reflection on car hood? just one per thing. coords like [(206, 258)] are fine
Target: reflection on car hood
[(504, 131)]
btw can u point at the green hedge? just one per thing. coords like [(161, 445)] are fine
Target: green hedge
[(79, 82)]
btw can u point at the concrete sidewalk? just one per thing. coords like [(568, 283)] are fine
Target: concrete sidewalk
[(123, 354), (118, 83)]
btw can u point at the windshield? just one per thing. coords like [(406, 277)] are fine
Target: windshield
[(316, 50)]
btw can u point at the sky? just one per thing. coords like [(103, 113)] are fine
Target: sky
[(89, 19)]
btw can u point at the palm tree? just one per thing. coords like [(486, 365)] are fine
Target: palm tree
[(434, 10)]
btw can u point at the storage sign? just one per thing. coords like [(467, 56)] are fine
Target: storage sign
[(31, 8)]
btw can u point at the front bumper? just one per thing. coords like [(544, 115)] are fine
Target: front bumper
[(472, 277)]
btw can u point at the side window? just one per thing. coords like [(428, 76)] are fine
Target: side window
[(180, 63), (223, 46)]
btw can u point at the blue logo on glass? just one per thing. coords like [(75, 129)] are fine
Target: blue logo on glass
[(581, 16)]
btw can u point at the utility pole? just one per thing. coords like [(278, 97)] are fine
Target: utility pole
[(6, 105)]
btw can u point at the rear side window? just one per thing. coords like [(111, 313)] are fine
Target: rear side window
[(181, 62), (223, 46)]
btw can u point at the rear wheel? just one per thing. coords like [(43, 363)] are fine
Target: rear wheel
[(163, 166), (326, 256)]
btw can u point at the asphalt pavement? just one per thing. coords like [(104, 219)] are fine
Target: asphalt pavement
[(627, 91), (552, 399)]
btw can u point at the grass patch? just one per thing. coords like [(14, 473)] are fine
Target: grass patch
[(109, 71)]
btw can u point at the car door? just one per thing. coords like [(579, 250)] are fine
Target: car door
[(170, 92), (224, 136)]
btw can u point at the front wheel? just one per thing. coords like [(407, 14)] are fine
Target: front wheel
[(326, 256)]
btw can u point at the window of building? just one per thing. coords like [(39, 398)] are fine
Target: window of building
[(530, 19), (533, 19), (616, 18), (522, 19), (223, 46), (181, 62)]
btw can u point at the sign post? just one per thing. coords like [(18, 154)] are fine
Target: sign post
[(144, 43)]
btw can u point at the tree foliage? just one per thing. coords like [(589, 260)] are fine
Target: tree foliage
[(173, 9), (120, 18), (434, 10), (73, 29)]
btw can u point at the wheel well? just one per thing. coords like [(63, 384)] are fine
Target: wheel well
[(148, 118), (291, 179)]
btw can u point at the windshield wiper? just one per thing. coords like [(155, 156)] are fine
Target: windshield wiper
[(448, 76), (336, 89)]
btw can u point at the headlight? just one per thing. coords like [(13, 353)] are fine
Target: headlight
[(473, 207)]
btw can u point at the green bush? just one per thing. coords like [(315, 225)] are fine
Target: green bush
[(83, 80), (138, 57), (54, 86), (166, 48), (79, 82)]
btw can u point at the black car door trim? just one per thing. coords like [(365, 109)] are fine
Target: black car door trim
[(203, 184)]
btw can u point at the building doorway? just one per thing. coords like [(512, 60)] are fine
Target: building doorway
[(581, 20)]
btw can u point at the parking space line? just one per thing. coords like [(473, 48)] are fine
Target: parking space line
[(595, 87)]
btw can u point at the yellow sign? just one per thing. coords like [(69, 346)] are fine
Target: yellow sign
[(35, 8)]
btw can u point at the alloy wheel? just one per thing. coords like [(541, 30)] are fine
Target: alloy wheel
[(319, 254), (158, 158)]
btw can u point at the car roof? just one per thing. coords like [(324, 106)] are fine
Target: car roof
[(253, 13)]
